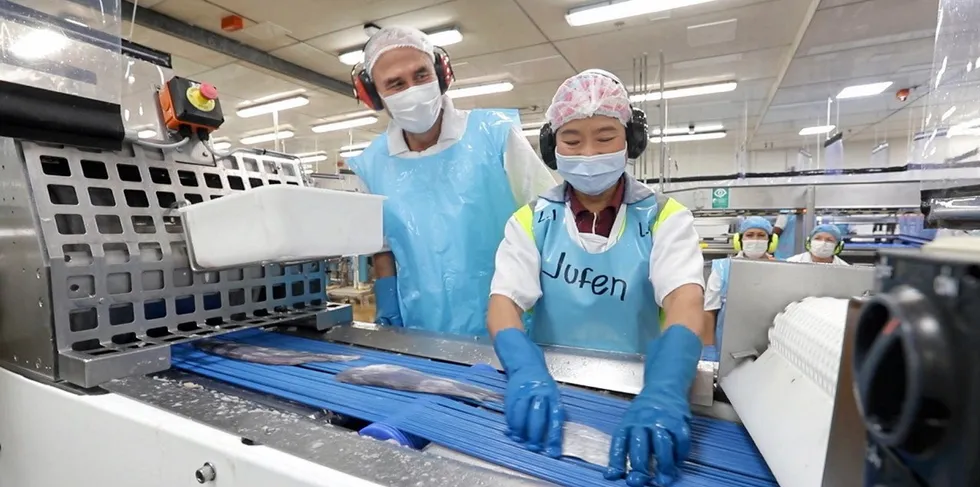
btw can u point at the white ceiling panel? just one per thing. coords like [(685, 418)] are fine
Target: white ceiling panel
[(761, 26), (189, 51), (872, 22), (897, 59), (310, 18), (208, 16)]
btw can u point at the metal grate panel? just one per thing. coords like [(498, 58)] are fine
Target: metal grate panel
[(120, 273)]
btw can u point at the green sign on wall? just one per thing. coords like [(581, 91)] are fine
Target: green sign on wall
[(719, 198)]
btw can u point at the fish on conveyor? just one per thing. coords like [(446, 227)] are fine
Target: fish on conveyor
[(405, 379), (267, 355)]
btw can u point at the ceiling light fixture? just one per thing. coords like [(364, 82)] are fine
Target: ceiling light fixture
[(690, 137), (146, 134), (344, 124), (478, 90), (859, 91), (269, 137), (818, 130), (360, 145), (621, 9), (441, 38), (686, 91), (531, 132), (273, 106), (221, 145), (351, 153), (39, 44), (312, 157), (687, 130)]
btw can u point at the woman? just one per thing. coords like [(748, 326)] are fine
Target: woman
[(605, 264), (755, 240), (822, 247)]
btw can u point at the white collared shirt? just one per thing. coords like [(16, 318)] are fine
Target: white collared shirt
[(528, 176), (806, 258), (675, 259)]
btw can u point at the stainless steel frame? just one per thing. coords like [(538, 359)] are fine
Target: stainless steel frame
[(759, 290), (97, 282)]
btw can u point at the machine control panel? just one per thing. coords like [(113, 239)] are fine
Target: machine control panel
[(189, 105)]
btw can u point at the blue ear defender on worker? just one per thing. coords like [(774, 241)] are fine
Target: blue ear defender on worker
[(837, 249), (637, 133), (773, 243)]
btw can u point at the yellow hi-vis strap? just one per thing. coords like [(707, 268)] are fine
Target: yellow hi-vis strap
[(666, 206)]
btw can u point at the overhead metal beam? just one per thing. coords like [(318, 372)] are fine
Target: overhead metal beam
[(166, 24), (784, 67)]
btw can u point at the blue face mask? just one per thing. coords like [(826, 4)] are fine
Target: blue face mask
[(592, 174)]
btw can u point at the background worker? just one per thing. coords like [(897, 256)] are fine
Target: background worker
[(451, 178), (755, 240), (606, 264), (823, 246)]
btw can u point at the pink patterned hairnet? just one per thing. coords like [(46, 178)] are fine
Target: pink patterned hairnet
[(394, 37), (591, 92)]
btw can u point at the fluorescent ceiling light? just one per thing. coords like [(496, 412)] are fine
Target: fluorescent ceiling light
[(690, 137), (531, 132), (687, 130), (686, 91), (273, 106), (146, 134), (312, 157), (39, 44), (480, 90), (350, 153), (344, 124), (269, 137), (360, 145), (441, 38), (818, 130), (971, 127), (621, 9), (221, 145), (859, 91)]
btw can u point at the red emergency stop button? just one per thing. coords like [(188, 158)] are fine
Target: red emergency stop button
[(208, 91)]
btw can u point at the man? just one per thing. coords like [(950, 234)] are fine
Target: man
[(823, 246), (755, 240), (451, 178), (605, 264)]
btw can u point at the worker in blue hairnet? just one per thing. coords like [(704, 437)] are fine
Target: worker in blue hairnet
[(606, 264), (451, 179), (823, 246), (755, 240)]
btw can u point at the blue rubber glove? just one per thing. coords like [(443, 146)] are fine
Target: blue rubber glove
[(658, 421), (532, 403), (386, 299)]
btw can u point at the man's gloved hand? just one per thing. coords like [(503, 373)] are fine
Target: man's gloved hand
[(658, 420), (386, 299), (532, 403)]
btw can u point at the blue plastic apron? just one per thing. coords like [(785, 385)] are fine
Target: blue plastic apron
[(723, 268), (601, 301), (787, 240), (444, 217)]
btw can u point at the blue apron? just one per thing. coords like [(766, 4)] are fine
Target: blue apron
[(723, 268), (787, 241), (444, 218), (601, 301)]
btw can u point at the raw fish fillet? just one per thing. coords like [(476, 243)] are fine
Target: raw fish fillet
[(267, 355), (405, 379), (585, 443)]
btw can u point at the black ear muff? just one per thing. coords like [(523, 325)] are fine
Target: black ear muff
[(637, 132), (546, 145)]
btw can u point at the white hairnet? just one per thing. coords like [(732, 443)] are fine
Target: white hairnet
[(591, 92), (390, 38)]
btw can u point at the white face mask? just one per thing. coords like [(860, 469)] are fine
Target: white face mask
[(416, 109), (755, 249), (822, 249)]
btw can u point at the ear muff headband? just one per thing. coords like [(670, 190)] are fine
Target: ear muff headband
[(770, 249), (367, 92), (637, 132), (837, 249)]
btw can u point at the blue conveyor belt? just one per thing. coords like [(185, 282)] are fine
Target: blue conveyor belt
[(722, 452)]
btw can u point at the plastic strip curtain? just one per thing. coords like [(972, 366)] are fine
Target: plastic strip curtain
[(722, 455)]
